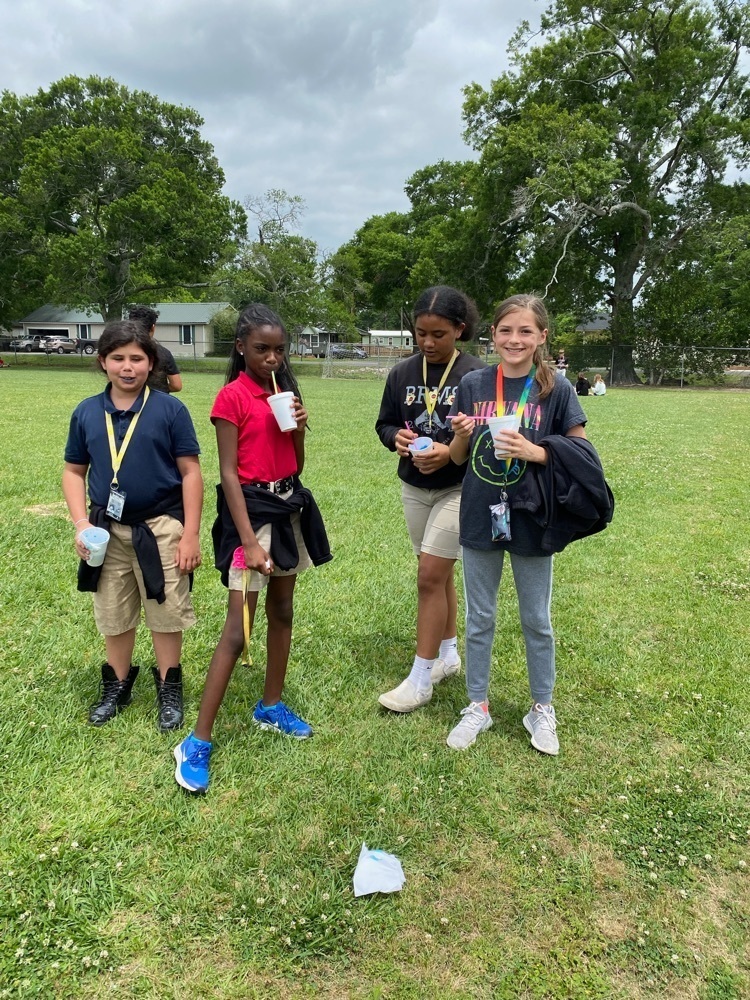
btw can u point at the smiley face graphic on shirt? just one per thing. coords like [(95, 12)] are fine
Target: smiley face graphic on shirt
[(495, 471)]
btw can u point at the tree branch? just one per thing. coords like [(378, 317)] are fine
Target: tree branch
[(602, 213), (561, 258), (607, 52), (594, 20)]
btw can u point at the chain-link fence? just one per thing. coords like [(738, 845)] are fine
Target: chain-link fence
[(359, 361), (647, 362), (650, 362)]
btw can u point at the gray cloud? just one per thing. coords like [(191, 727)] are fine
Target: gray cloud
[(336, 102)]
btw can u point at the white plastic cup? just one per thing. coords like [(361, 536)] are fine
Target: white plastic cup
[(420, 445), (497, 424), (282, 405), (96, 541)]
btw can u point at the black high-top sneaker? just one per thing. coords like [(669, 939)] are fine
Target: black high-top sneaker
[(169, 698), (115, 695)]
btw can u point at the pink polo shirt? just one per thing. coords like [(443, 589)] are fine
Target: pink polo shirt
[(264, 453)]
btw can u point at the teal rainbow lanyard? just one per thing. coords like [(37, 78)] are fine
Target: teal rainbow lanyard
[(500, 411)]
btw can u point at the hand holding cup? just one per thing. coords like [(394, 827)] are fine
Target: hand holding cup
[(300, 414), (403, 439), (91, 545), (499, 428)]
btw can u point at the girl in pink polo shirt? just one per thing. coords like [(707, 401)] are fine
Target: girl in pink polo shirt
[(267, 531)]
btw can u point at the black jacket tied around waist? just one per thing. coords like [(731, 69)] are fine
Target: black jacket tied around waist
[(264, 507)]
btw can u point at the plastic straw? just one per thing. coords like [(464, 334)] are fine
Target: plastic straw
[(273, 379)]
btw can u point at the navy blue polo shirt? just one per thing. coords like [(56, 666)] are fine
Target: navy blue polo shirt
[(149, 470)]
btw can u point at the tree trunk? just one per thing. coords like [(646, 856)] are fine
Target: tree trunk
[(622, 325), (118, 269)]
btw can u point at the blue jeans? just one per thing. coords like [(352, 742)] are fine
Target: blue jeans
[(483, 571)]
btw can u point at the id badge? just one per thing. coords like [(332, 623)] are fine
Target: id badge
[(500, 519), (115, 504)]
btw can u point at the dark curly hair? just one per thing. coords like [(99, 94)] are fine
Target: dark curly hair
[(145, 315)]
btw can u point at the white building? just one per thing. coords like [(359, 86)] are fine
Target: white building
[(388, 338), (185, 328)]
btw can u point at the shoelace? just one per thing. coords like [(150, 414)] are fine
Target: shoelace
[(285, 717), (544, 718), (199, 756), (111, 688), (171, 695), (474, 716)]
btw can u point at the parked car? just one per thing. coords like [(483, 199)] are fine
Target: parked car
[(28, 344), (86, 346), (347, 351), (60, 345)]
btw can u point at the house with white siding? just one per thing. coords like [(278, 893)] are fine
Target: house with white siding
[(401, 339), (185, 328)]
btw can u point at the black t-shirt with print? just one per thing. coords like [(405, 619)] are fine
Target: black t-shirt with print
[(165, 366), (404, 405), (486, 476)]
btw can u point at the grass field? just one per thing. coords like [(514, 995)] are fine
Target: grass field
[(618, 869)]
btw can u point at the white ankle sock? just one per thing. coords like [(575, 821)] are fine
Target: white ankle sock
[(421, 673), (449, 651)]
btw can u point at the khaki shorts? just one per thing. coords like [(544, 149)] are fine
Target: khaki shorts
[(257, 581), (432, 520), (121, 592)]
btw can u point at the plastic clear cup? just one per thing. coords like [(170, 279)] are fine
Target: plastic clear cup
[(497, 424), (420, 445), (282, 405), (96, 541)]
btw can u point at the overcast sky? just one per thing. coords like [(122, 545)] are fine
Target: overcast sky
[(338, 102)]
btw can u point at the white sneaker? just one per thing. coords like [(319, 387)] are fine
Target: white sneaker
[(441, 670), (475, 719), (542, 724), (406, 697)]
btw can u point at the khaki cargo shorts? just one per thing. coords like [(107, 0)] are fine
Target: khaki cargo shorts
[(122, 593)]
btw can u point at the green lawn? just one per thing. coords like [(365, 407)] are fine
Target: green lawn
[(616, 870)]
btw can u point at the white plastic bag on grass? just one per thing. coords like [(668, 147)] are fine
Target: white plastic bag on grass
[(377, 871)]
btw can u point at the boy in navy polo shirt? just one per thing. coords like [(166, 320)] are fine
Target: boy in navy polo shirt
[(140, 453)]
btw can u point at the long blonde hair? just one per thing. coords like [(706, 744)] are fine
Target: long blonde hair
[(545, 377)]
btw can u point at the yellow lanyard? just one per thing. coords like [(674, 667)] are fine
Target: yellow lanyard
[(117, 456), (431, 395)]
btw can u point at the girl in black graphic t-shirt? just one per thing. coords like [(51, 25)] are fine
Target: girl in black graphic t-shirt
[(544, 403), (417, 397)]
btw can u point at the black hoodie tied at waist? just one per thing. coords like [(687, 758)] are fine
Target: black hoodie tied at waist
[(264, 507), (569, 496), (144, 544)]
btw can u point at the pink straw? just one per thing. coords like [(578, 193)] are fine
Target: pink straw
[(452, 416)]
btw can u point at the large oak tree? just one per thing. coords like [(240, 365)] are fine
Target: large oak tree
[(612, 129), (106, 196)]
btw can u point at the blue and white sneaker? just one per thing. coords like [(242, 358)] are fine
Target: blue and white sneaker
[(282, 719), (192, 756)]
